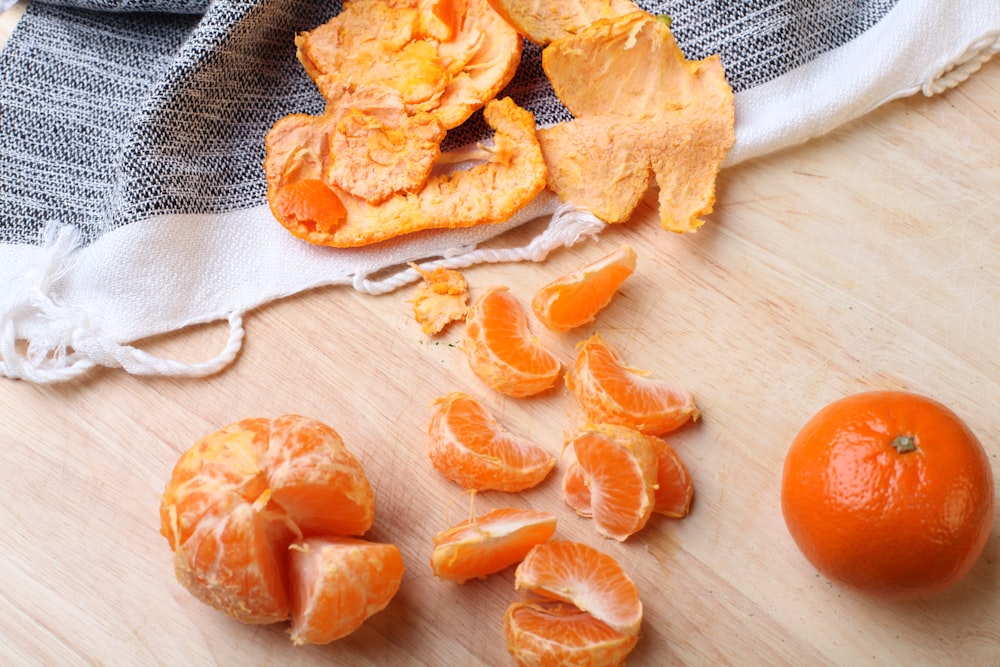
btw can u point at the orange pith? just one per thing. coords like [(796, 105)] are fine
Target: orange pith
[(340, 583), (469, 447), (485, 545), (889, 493), (552, 634), (580, 575), (240, 498), (501, 350), (617, 466), (610, 392), (575, 298)]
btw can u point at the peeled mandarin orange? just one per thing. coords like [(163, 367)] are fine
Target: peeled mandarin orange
[(551, 634), (575, 298), (618, 467), (610, 392), (501, 350), (488, 544), (469, 447), (338, 583), (580, 575), (889, 493), (238, 499)]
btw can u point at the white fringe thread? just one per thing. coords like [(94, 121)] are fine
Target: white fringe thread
[(567, 227), (967, 64), (71, 346)]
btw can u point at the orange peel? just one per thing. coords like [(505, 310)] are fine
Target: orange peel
[(491, 191), (440, 299), (399, 44), (544, 21), (647, 113)]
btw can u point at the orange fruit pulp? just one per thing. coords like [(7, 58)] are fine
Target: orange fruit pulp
[(501, 350), (580, 608), (242, 496), (469, 447), (889, 493), (576, 298), (485, 545), (544, 634), (610, 392)]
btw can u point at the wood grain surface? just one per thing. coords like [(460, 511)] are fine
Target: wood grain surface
[(867, 258)]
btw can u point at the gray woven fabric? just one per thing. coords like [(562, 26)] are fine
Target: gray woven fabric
[(112, 111)]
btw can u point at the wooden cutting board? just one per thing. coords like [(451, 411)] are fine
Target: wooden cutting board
[(869, 258)]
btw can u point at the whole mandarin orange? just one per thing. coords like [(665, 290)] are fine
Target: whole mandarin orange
[(889, 493)]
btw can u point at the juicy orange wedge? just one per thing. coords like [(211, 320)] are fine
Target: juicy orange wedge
[(488, 544), (500, 348), (469, 447), (339, 583), (618, 467), (575, 298), (555, 633), (580, 575), (674, 489), (610, 392)]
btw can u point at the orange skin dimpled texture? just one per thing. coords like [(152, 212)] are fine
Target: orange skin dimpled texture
[(889, 493)]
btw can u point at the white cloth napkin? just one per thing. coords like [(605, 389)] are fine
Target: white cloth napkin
[(66, 307)]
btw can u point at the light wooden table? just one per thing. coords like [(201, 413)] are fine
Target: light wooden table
[(869, 258)]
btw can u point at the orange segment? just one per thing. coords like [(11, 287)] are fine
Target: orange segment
[(241, 495), (488, 544), (580, 575), (501, 350), (618, 466), (611, 392), (553, 633), (338, 583), (575, 298), (234, 562), (469, 447), (576, 490), (316, 480), (674, 490)]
